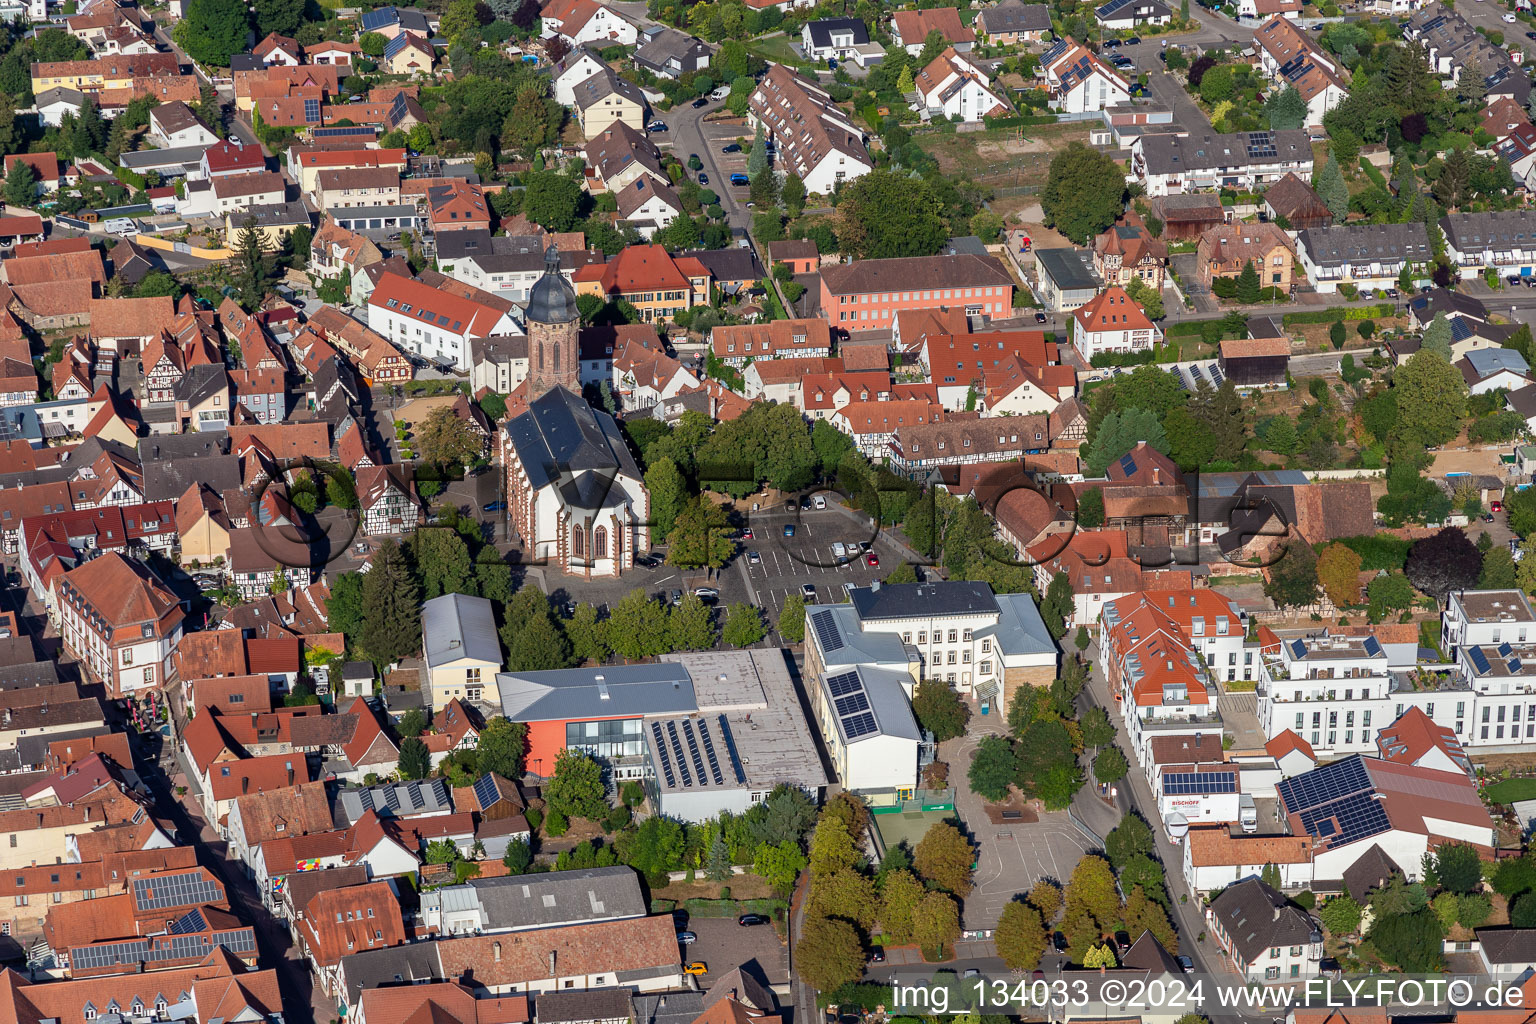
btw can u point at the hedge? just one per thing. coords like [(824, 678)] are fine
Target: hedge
[(1189, 328), (1372, 172), (1328, 316)]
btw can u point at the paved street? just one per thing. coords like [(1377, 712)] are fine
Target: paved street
[(1168, 91), (687, 132), (1489, 16)]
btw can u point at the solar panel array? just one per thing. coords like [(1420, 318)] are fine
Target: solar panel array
[(190, 922), (1261, 145), (311, 110), (1199, 783), (1298, 649), (852, 705), (827, 632), (688, 755), (1337, 802), (184, 890), (486, 792), (143, 951), (1479, 660), (1372, 646), (344, 131), (1128, 465)]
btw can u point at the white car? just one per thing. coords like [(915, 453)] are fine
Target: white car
[(819, 502), (1509, 19)]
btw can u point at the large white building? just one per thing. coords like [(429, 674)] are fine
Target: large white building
[(811, 134), (432, 324), (954, 85), (1486, 618), (867, 657), (1170, 165), (1078, 81)]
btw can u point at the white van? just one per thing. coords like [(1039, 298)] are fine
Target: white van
[(839, 553), (720, 93)]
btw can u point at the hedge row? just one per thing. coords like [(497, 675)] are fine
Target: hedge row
[(1328, 316)]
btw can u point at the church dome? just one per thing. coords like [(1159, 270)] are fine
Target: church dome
[(552, 300)]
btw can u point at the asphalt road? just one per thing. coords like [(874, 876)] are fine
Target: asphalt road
[(1489, 14), (1170, 93), (688, 133)]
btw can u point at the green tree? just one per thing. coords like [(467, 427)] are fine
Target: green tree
[(846, 894), (391, 607), (743, 625), (669, 495), (157, 284), (518, 858), (900, 893), (444, 563), (935, 922), (538, 646), (1514, 876), (1285, 110), (757, 158), (493, 576), (1120, 431), (21, 184), (1091, 890), (253, 264), (1341, 916), (1459, 867), (501, 747), (943, 857), (1150, 300), (1338, 571), (1090, 509), (832, 847), (1057, 606), (993, 768), (1084, 193), (690, 626), (779, 865), (1097, 729), (1499, 570), (575, 789), (884, 214), (653, 849), (551, 200), (637, 627), (1292, 581), (1431, 395), (829, 954), (1110, 766), (1249, 290), (444, 439), (372, 44), (1331, 188), (1410, 941), (281, 16), (213, 31), (1437, 337), (415, 761), (939, 709), (700, 536), (1131, 838), (792, 619)]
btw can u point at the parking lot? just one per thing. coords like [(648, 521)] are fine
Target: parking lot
[(786, 564), (725, 945), (717, 136)]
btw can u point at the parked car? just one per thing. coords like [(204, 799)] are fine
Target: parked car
[(656, 126), (877, 955), (687, 938), (747, 534), (740, 179), (697, 967), (703, 178), (873, 560), (747, 920), (709, 595), (789, 529), (702, 101), (646, 562), (674, 596), (1496, 506), (808, 591), (1133, 41), (732, 148), (1509, 19), (494, 506), (1040, 317), (1186, 963), (839, 553), (756, 559), (819, 502), (720, 93), (1111, 44)]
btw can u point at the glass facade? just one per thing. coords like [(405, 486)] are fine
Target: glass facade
[(611, 738)]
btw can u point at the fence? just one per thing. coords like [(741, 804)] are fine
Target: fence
[(167, 245), (1084, 829)]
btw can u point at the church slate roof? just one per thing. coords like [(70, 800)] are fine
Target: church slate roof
[(562, 440)]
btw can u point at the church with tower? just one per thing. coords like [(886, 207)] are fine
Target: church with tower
[(574, 492)]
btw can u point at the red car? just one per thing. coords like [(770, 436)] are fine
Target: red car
[(873, 560), (1496, 506)]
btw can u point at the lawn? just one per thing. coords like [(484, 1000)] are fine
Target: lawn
[(777, 49), (1511, 790)]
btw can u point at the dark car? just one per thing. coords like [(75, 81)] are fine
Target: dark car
[(1123, 941), (1060, 942), (732, 148), (702, 101), (1133, 41), (789, 529), (687, 938), (1186, 963), (1111, 44), (646, 562), (703, 178), (1040, 318), (877, 955), (746, 920), (740, 179), (494, 506)]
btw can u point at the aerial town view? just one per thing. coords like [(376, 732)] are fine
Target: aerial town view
[(767, 511)]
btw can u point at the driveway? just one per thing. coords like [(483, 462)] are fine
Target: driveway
[(1170, 92), (689, 133), (1011, 858)]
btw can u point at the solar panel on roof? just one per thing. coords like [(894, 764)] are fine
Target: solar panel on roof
[(1128, 465), (827, 632), (1505, 650), (343, 131), (661, 753), (183, 890), (486, 792), (1372, 646), (859, 725), (1514, 666), (843, 684), (1298, 649), (852, 703), (1479, 659), (191, 921), (311, 110)]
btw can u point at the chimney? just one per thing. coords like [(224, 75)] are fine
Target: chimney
[(290, 776), (1157, 474), (552, 961)]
